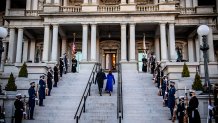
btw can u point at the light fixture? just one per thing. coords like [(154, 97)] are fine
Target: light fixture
[(203, 30), (3, 32)]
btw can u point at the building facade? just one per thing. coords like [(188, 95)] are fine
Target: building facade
[(108, 31)]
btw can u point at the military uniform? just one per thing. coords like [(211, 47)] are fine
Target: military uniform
[(74, 65), (31, 102), (55, 76), (41, 91), (181, 110), (193, 114), (19, 108), (61, 65), (65, 63), (152, 62), (144, 64), (49, 82), (171, 98)]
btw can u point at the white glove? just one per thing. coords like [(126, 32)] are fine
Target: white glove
[(165, 92)]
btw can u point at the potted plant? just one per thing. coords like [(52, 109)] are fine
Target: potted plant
[(11, 87), (185, 71), (197, 84), (23, 71)]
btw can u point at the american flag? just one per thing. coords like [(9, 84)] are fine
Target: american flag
[(73, 48)]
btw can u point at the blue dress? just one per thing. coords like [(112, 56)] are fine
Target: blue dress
[(110, 82)]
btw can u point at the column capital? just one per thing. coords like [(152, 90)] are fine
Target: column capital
[(55, 24), (20, 28), (11, 27), (85, 23), (123, 24), (132, 23), (163, 23), (92, 24), (46, 24)]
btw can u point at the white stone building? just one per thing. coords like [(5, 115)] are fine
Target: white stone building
[(107, 31)]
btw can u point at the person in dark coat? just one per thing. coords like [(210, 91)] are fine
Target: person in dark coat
[(31, 102), (164, 86), (181, 110), (110, 82), (55, 76), (152, 63), (74, 65), (144, 64), (49, 81), (100, 80), (171, 98), (193, 114), (19, 108), (65, 63), (61, 66), (41, 91)]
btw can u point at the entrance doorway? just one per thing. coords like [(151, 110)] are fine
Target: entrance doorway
[(110, 61)]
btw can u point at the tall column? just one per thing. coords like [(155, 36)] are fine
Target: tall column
[(28, 4), (132, 42), (48, 1), (19, 45), (64, 46), (4, 55), (188, 3), (182, 3), (195, 3), (123, 1), (54, 52), (35, 4), (25, 51), (57, 2), (65, 2), (93, 42), (84, 42), (211, 46), (172, 42), (191, 50), (11, 50), (8, 6), (155, 2), (157, 48), (163, 42), (197, 49), (123, 42), (32, 50), (46, 43), (201, 53)]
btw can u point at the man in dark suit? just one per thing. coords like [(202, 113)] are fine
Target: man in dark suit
[(41, 91), (171, 98), (61, 66), (32, 96), (193, 114), (49, 81), (144, 64), (100, 80), (74, 64), (65, 63), (19, 109)]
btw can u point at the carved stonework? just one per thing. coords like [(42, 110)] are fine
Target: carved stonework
[(110, 2), (41, 3), (75, 2), (143, 2)]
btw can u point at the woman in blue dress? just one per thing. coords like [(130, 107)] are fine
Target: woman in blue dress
[(110, 82)]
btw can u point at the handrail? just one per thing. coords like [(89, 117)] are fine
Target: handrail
[(119, 94), (81, 108)]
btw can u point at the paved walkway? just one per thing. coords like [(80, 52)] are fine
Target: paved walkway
[(141, 103)]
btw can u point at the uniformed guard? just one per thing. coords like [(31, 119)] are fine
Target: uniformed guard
[(74, 65), (19, 109), (164, 85), (61, 66), (49, 81), (193, 114), (41, 91), (65, 63), (32, 97), (144, 64), (152, 60), (181, 109), (100, 80), (171, 98), (55, 76)]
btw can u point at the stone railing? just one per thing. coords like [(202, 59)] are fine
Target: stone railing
[(71, 8), (147, 8), (187, 10), (33, 12), (16, 12), (108, 8)]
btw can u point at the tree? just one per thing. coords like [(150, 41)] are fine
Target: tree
[(11, 86), (23, 71), (185, 71), (197, 84)]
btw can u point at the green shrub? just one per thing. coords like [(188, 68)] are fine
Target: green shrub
[(11, 86), (23, 71), (185, 71), (197, 85)]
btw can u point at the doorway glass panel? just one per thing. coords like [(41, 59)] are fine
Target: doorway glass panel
[(110, 61)]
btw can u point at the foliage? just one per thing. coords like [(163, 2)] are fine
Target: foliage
[(197, 84), (23, 71), (11, 86), (185, 71)]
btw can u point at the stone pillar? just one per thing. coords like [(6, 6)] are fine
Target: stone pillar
[(123, 42), (211, 46), (25, 51), (123, 1), (48, 1), (132, 42), (195, 3), (84, 42), (201, 53), (11, 47), (157, 48), (188, 3), (54, 52), (3, 55), (155, 2), (93, 42), (35, 4), (182, 3), (46, 43), (64, 46), (197, 49), (19, 45), (163, 42), (190, 50), (57, 2), (172, 42), (32, 50), (8, 6), (28, 4), (65, 2), (85, 1)]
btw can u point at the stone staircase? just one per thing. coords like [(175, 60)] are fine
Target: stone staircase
[(140, 100), (101, 109), (61, 106)]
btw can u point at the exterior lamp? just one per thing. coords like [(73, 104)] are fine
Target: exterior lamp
[(3, 34), (203, 31)]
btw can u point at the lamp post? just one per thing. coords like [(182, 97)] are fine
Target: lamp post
[(3, 34), (203, 31)]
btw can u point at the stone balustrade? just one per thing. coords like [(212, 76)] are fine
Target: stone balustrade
[(33, 12), (71, 8), (187, 10), (16, 12), (147, 8), (108, 8)]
